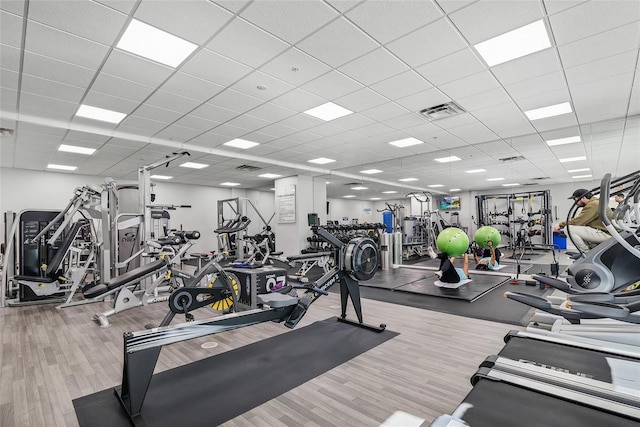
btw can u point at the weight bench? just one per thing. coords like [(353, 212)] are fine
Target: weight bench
[(321, 259)]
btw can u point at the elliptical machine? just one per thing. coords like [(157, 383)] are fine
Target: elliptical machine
[(614, 265)]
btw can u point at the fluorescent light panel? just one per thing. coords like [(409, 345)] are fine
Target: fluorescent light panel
[(230, 184), (513, 184), (270, 175), (328, 111), (349, 196), (578, 170), (573, 159), (101, 114), (193, 165), (581, 176), (160, 177), (455, 189), (370, 171), (152, 43), (476, 170), (359, 188), (76, 149), (241, 143), (389, 192), (321, 161), (495, 179), (406, 142), (408, 179), (375, 198), (562, 141), (61, 167), (435, 185), (514, 44), (448, 159), (550, 111)]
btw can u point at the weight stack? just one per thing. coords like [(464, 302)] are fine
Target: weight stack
[(386, 251), (397, 248)]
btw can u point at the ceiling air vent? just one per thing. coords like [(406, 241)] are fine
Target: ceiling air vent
[(512, 159), (248, 168), (442, 111)]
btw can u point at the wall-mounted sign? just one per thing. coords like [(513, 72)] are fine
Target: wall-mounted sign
[(367, 211), (286, 204)]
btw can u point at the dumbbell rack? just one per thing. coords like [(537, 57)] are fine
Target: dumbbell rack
[(523, 218)]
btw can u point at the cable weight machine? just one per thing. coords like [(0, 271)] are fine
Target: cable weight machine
[(523, 218)]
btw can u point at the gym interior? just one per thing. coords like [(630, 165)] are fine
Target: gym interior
[(248, 212)]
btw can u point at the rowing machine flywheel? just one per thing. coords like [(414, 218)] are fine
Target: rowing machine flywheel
[(361, 258), (222, 297)]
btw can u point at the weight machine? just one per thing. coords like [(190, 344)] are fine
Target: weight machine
[(357, 260), (523, 218)]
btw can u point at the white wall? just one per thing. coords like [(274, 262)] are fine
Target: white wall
[(27, 189)]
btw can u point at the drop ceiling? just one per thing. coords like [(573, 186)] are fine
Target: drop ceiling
[(260, 64)]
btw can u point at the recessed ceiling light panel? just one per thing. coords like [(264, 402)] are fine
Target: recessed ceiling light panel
[(101, 114), (370, 171), (328, 111), (321, 161), (76, 149), (550, 111), (61, 167), (514, 44), (448, 159), (406, 142), (230, 184), (151, 43), (573, 159), (270, 175), (408, 179), (495, 179), (165, 177), (563, 141), (241, 143), (193, 165), (476, 170)]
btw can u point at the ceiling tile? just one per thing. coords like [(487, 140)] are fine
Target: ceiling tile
[(452, 67), (51, 89), (332, 85), (361, 100), (135, 68), (495, 17), (295, 67), (535, 86), (470, 85), (85, 19), (11, 29), (47, 41), (386, 21), (290, 21), (425, 99), (402, 85), (192, 87), (262, 86), (245, 43), (413, 50), (193, 20), (235, 101), (122, 88), (601, 45), (602, 68), (215, 68), (592, 18), (337, 43), (374, 67), (527, 67)]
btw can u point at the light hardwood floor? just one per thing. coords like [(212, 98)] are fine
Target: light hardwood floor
[(50, 357)]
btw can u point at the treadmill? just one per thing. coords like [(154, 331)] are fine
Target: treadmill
[(538, 381)]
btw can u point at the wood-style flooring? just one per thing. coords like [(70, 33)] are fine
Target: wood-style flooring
[(50, 357)]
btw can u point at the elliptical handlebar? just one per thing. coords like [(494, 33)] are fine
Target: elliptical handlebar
[(602, 210)]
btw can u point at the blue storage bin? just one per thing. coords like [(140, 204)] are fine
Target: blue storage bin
[(560, 240)]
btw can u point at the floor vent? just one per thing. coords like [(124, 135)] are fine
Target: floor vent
[(442, 111), (248, 168), (512, 159)]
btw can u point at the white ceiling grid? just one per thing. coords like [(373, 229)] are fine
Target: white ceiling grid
[(260, 64)]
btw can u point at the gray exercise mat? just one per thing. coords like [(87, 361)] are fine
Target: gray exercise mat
[(391, 279), (479, 285), (508, 267)]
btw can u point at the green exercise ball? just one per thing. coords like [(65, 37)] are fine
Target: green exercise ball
[(452, 241), (486, 233)]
